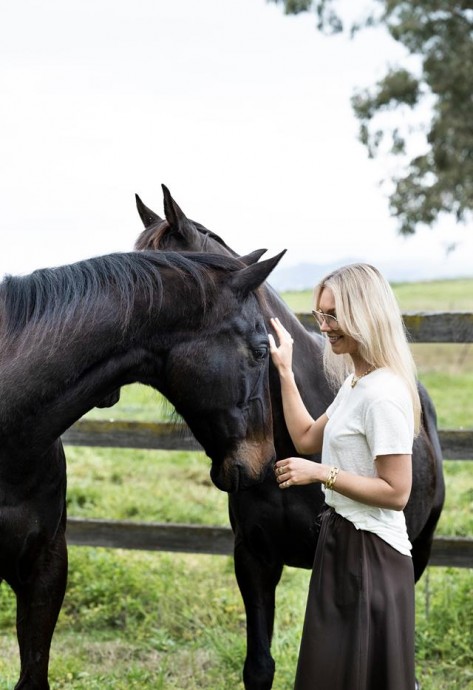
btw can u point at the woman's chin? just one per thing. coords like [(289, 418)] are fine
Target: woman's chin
[(336, 342)]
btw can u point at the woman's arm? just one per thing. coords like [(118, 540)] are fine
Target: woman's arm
[(306, 433), (390, 489)]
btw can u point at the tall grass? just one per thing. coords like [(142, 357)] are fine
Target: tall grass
[(156, 620)]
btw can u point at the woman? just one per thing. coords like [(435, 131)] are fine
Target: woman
[(359, 624)]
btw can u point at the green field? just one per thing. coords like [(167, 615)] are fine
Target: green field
[(157, 620), (436, 295)]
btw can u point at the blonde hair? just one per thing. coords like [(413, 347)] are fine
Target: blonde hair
[(368, 311)]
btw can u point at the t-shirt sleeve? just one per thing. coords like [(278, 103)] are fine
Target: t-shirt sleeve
[(389, 427)]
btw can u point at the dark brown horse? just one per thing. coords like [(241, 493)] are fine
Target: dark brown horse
[(70, 337), (274, 528)]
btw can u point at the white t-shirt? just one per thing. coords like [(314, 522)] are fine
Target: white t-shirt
[(373, 418)]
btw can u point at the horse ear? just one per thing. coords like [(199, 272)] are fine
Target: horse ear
[(248, 279), (176, 218), (252, 258), (148, 216)]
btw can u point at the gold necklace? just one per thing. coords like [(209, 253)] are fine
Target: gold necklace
[(355, 379)]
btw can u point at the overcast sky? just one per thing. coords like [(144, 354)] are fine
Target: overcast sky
[(242, 112)]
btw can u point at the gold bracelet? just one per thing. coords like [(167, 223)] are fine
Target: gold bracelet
[(332, 477), (328, 481)]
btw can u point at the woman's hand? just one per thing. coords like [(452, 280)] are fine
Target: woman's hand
[(390, 489), (298, 472), (282, 354)]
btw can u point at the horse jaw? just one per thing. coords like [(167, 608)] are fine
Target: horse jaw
[(245, 467), (109, 400)]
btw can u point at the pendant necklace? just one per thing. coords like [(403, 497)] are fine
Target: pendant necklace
[(355, 379)]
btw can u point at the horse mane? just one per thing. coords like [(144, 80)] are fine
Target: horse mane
[(208, 233), (50, 297), (154, 234)]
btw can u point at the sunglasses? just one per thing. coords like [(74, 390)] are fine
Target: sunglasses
[(330, 320)]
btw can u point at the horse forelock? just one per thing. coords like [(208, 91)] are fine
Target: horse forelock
[(43, 301), (154, 237)]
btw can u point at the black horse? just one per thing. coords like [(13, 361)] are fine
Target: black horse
[(70, 337), (274, 528)]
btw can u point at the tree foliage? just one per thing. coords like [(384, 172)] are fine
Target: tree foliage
[(439, 33)]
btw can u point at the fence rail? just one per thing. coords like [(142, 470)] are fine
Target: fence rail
[(427, 327), (457, 444), (152, 536)]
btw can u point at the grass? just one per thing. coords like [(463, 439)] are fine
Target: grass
[(175, 621), (146, 485), (436, 295), (140, 620)]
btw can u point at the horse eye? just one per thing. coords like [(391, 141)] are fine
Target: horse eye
[(260, 353)]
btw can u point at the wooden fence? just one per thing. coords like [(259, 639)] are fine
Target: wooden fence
[(457, 444)]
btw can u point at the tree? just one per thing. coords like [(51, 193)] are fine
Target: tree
[(440, 34)]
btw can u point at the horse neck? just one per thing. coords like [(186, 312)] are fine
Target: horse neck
[(47, 383), (274, 305), (307, 359), (49, 380)]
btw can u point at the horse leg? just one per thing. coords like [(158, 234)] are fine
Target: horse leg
[(257, 583), (39, 601)]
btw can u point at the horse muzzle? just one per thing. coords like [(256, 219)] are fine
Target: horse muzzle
[(246, 466)]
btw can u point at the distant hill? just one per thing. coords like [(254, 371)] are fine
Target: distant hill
[(304, 276)]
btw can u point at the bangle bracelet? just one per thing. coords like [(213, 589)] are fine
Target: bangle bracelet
[(332, 477)]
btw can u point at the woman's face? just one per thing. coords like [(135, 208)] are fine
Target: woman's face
[(341, 343)]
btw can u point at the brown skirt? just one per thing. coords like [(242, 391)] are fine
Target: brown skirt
[(359, 624)]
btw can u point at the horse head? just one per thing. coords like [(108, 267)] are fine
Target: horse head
[(216, 376), (189, 325), (176, 232)]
